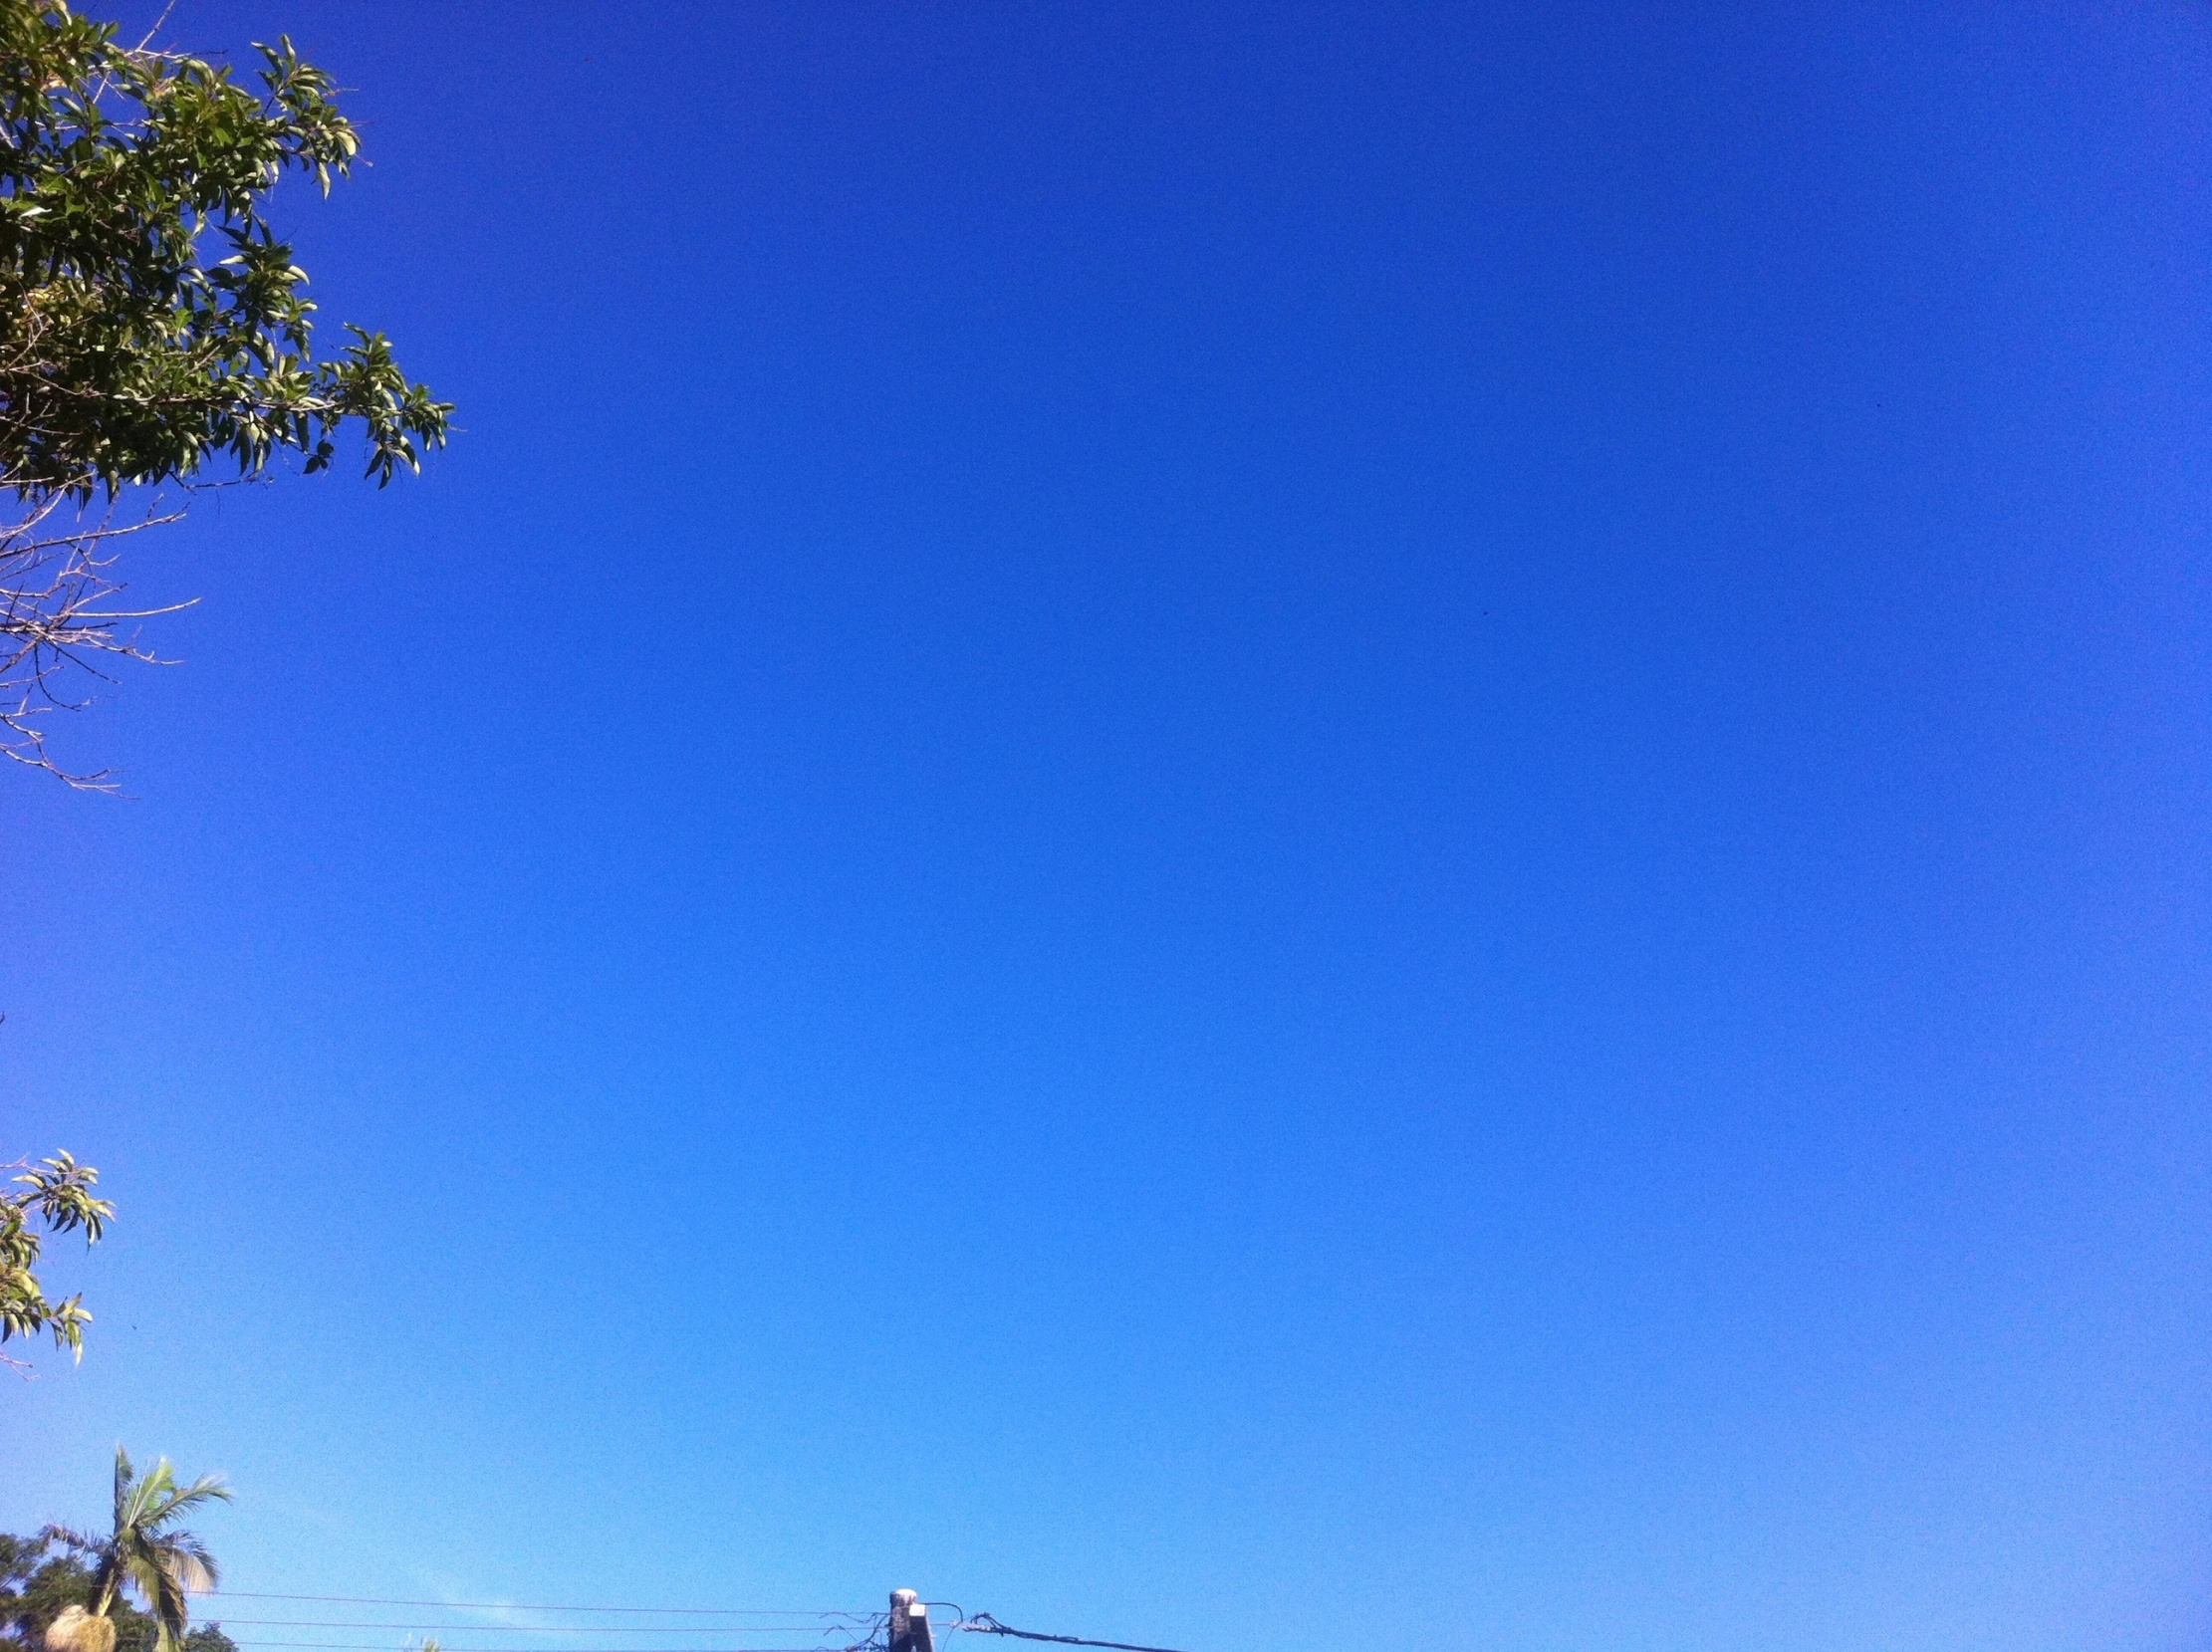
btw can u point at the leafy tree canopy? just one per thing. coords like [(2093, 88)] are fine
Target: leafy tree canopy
[(151, 320), (145, 1550), (58, 1195), (36, 1584)]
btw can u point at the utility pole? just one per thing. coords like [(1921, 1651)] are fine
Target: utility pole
[(910, 1623)]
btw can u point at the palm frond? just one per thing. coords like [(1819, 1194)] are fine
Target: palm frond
[(145, 1576), (77, 1541), (146, 1497), (184, 1558), (209, 1487), (171, 1606)]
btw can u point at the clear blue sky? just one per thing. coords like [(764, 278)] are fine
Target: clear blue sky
[(1272, 828)]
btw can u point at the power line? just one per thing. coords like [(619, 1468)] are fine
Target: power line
[(983, 1624), (512, 1606), (542, 1629)]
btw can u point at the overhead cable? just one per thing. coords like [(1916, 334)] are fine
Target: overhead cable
[(983, 1624), (543, 1629), (514, 1606), (817, 1642)]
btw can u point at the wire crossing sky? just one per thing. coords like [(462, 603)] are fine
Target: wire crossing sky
[(1239, 823), (764, 1629)]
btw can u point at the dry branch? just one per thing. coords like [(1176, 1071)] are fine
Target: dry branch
[(58, 624)]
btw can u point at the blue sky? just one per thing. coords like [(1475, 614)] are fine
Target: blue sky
[(1266, 827)]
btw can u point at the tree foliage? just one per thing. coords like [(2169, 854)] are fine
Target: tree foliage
[(154, 327), (37, 1584), (58, 1195), (126, 352), (146, 1549)]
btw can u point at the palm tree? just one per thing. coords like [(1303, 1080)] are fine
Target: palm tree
[(146, 1552)]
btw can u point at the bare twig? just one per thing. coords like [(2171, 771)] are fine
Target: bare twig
[(55, 579)]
